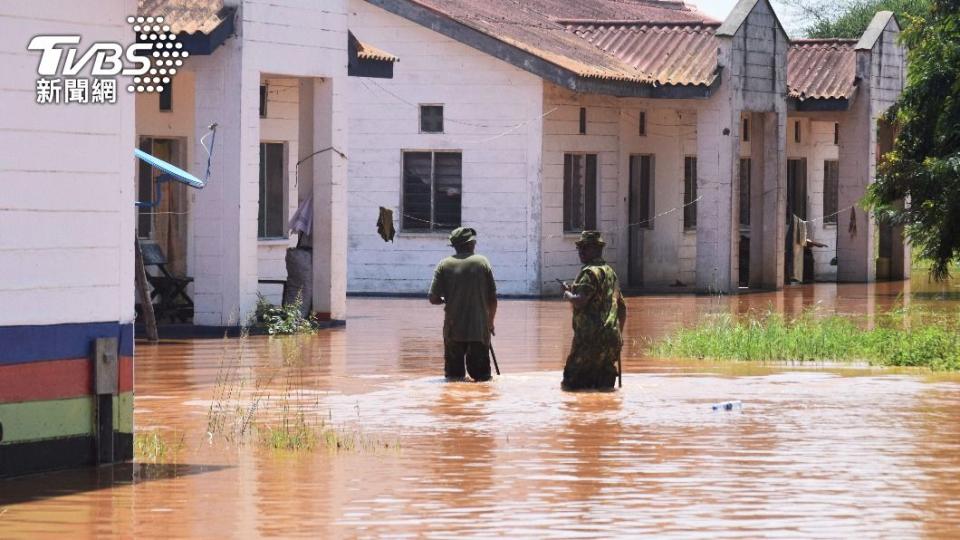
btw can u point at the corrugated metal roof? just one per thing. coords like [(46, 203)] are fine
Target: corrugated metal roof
[(535, 26), (366, 51), (822, 69), (184, 16), (669, 54)]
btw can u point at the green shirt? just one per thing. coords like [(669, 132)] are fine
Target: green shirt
[(465, 281)]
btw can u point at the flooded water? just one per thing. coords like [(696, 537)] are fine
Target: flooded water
[(816, 451)]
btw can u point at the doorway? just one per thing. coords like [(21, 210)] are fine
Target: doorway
[(795, 255), (640, 214), (165, 223)]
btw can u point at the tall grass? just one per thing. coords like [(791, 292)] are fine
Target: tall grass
[(897, 338), (267, 402)]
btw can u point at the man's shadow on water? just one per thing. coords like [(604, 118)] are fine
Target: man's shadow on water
[(36, 487)]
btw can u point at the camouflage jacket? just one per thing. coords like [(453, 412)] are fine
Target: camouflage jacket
[(596, 322)]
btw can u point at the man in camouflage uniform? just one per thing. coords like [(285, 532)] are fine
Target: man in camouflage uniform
[(464, 283), (599, 314)]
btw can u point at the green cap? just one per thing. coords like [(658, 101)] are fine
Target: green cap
[(462, 235), (590, 238)]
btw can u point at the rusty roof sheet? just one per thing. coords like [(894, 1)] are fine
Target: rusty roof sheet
[(822, 69), (539, 27), (184, 16), (669, 54), (366, 51)]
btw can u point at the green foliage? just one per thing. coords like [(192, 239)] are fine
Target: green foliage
[(849, 19), (284, 320), (899, 338), (924, 166)]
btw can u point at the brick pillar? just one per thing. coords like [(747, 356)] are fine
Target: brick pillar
[(856, 243), (324, 110), (717, 220)]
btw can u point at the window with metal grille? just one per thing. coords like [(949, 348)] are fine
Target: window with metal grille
[(745, 192), (579, 192), (641, 191), (432, 190), (690, 192), (431, 119), (831, 190), (271, 215)]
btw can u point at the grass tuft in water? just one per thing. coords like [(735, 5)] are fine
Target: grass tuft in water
[(898, 338), (155, 447), (270, 403)]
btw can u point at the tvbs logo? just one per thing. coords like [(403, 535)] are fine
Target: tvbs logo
[(151, 62)]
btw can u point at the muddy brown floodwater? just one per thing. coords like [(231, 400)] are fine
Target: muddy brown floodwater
[(817, 451)]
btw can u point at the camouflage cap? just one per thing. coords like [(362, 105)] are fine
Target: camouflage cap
[(462, 235), (590, 238)]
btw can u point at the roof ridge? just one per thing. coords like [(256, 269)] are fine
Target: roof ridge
[(814, 41), (633, 22)]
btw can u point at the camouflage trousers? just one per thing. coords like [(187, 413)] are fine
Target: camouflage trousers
[(591, 366)]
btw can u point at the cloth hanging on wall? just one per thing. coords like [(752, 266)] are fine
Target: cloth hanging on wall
[(385, 224)]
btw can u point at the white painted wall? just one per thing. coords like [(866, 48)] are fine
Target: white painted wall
[(279, 39), (66, 188), (817, 146), (561, 135), (492, 114)]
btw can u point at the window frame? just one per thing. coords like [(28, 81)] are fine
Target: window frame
[(689, 206), (745, 127), (443, 126), (567, 210), (582, 130), (642, 121), (285, 192), (433, 227)]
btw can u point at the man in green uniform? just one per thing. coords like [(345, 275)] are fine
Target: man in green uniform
[(599, 314), (464, 283)]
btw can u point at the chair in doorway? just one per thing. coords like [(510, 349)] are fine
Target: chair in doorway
[(169, 294)]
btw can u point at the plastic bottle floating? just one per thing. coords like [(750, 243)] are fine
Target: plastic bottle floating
[(728, 406)]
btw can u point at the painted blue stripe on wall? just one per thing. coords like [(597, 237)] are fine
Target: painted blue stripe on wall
[(36, 343)]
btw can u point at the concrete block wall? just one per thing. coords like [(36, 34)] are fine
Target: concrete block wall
[(66, 245), (881, 65), (754, 56), (65, 171), (492, 115), (668, 251), (561, 134)]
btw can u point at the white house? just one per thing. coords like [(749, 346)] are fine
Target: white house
[(273, 76), (66, 246), (674, 134)]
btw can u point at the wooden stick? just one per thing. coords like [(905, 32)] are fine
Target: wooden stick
[(140, 275)]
